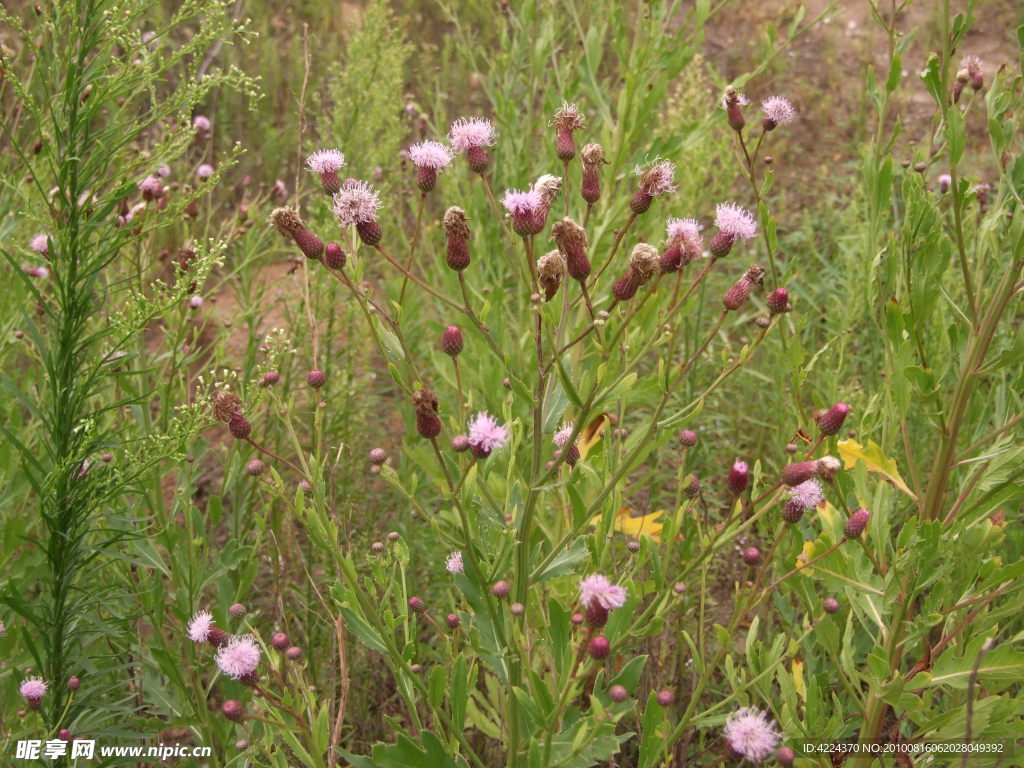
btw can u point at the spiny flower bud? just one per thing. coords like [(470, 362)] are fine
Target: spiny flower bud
[(752, 556), (233, 710), (593, 158), (599, 647), (597, 614), (644, 258), (802, 471), (452, 620), (279, 641), (74, 683), (792, 511), (270, 378), (236, 611), (692, 490), (625, 287), (738, 477), (316, 378), (778, 302), (830, 604), (369, 232), (517, 609), (460, 444), (572, 242), (458, 235), (288, 222), (567, 119), (856, 524), (334, 256), (550, 268), (417, 605), (618, 694), (831, 421), (666, 698), (428, 423), (737, 296), (378, 456), (732, 103), (451, 341), (217, 637), (501, 589), (687, 438), (239, 426), (294, 653)]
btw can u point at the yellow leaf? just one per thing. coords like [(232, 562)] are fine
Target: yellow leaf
[(851, 452), (805, 555), (798, 678), (591, 435), (646, 525)]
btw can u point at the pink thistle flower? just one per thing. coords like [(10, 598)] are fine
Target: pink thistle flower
[(473, 135), (240, 657), (163, 171), (40, 272), (485, 435), (199, 626), (561, 437), (454, 562), (597, 589), (972, 64), (734, 223), (751, 735), (732, 96), (204, 171), (684, 243), (40, 244), (656, 180), (327, 163), (33, 689), (279, 191), (527, 210), (151, 187), (777, 111), (808, 494), (201, 124), (944, 181), (429, 157), (357, 203)]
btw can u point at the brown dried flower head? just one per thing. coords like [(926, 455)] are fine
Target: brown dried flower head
[(455, 223), (226, 405), (286, 220)]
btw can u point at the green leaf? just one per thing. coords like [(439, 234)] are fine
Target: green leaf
[(564, 561)]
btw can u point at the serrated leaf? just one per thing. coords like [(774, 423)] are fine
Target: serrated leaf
[(850, 451)]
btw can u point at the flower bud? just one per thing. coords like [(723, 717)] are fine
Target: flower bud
[(270, 378), (856, 524), (279, 641), (618, 694), (255, 468), (428, 423), (217, 637), (294, 653), (830, 604), (316, 378), (334, 256), (666, 698), (792, 511), (517, 609), (738, 477), (236, 611), (233, 710), (572, 242), (369, 232), (74, 683), (778, 302), (451, 341), (458, 235), (452, 620), (417, 605), (599, 647), (550, 269), (501, 589), (784, 756), (239, 426), (831, 420), (687, 438), (460, 443), (737, 296), (593, 158), (752, 556)]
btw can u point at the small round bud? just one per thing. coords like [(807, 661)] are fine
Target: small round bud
[(294, 653), (377, 547), (74, 683), (242, 744), (792, 448), (270, 378), (738, 478), (517, 609), (752, 556), (792, 511), (633, 546), (255, 468), (460, 443), (233, 710), (378, 456), (306, 487), (830, 604), (239, 426), (279, 641), (577, 619), (217, 637), (334, 256), (417, 605), (451, 341), (452, 620), (618, 694), (784, 756), (64, 734), (692, 491), (416, 668), (316, 379), (236, 611), (687, 438), (856, 524), (831, 421), (599, 647), (393, 536), (679, 587), (666, 698), (501, 589)]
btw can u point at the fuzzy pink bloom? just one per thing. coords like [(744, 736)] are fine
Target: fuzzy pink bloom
[(561, 438), (658, 179), (239, 657), (163, 170), (596, 588), (740, 99), (204, 171), (430, 154), (680, 230), (40, 272), (751, 734), (39, 243), (972, 64), (808, 494), (325, 161), (279, 190), (356, 203), (778, 110), (199, 626), (469, 132), (485, 434), (944, 181), (32, 688), (153, 184), (202, 124), (520, 203), (454, 562), (735, 221)]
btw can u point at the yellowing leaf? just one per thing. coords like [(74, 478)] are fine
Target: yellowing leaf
[(805, 555), (591, 435), (798, 678), (634, 527), (851, 452)]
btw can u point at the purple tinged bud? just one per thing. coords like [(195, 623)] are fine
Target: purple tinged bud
[(64, 734), (856, 524), (830, 604), (452, 620), (800, 472), (738, 477), (633, 546), (784, 756), (618, 694), (316, 378), (294, 653), (721, 244), (279, 641), (416, 668), (597, 614), (239, 426), (369, 232), (666, 698), (255, 468), (577, 619), (792, 511), (217, 637), (778, 302), (460, 443), (517, 609), (501, 589), (417, 605), (599, 647), (236, 611), (233, 710), (334, 256), (377, 547), (270, 378), (451, 341), (831, 421), (74, 683), (428, 422), (378, 456), (687, 438), (692, 491), (752, 556)]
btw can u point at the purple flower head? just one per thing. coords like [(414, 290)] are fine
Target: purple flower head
[(778, 111), (519, 203), (808, 494), (561, 438), (596, 588), (239, 657), (163, 170), (202, 124), (199, 626), (735, 221), (39, 243), (32, 688), (204, 171), (944, 181), (454, 562), (325, 161), (356, 203), (151, 187), (469, 132), (681, 230), (430, 154), (972, 64), (658, 178), (485, 434), (40, 272), (751, 734)]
